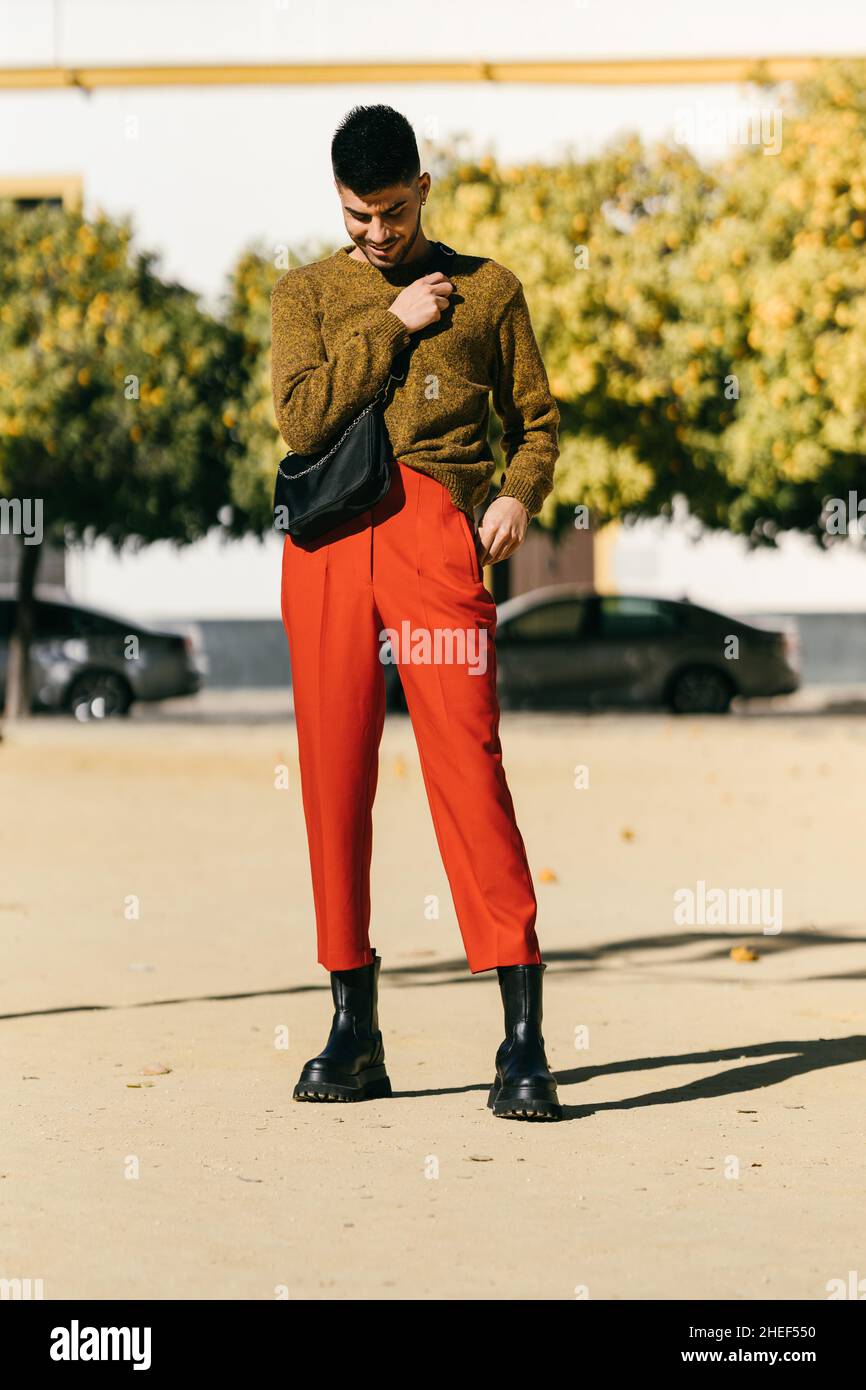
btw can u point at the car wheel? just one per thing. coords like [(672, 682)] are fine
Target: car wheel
[(701, 690), (99, 695)]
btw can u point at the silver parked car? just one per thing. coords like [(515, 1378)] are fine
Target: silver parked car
[(95, 665), (566, 647)]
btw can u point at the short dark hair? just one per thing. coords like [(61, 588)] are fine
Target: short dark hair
[(374, 147)]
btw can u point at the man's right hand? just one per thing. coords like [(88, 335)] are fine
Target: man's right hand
[(423, 301)]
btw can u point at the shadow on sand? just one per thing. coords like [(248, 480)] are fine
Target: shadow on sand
[(767, 1063)]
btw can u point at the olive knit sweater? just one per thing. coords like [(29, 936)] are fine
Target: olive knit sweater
[(334, 341)]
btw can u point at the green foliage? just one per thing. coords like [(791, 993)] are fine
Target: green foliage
[(714, 345), (248, 317), (112, 384)]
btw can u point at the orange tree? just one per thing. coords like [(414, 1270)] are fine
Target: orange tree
[(247, 314), (704, 329), (775, 286), (595, 244), (113, 390)]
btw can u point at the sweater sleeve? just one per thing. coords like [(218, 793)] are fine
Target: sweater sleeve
[(315, 396), (523, 402)]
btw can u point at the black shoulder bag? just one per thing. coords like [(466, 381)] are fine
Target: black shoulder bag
[(314, 493)]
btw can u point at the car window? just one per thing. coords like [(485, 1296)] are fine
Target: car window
[(89, 624), (53, 620), (550, 622), (636, 617)]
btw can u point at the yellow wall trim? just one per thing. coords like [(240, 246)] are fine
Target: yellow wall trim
[(618, 72), (68, 187)]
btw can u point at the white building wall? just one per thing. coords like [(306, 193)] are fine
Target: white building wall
[(719, 571)]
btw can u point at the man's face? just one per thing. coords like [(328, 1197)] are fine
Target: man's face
[(384, 225)]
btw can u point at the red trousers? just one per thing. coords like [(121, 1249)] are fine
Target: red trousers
[(409, 566)]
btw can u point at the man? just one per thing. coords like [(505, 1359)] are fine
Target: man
[(414, 560)]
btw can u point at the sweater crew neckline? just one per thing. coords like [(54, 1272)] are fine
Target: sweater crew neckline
[(400, 274)]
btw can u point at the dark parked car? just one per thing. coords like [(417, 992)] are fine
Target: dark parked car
[(564, 647), (88, 663)]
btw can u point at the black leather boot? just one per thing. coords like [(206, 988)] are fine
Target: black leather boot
[(525, 1087), (351, 1066)]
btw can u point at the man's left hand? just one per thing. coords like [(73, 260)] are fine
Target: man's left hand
[(502, 529)]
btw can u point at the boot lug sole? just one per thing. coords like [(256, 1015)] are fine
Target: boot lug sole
[(371, 1084), (523, 1103)]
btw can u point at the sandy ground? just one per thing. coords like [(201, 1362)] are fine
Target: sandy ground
[(713, 1144)]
